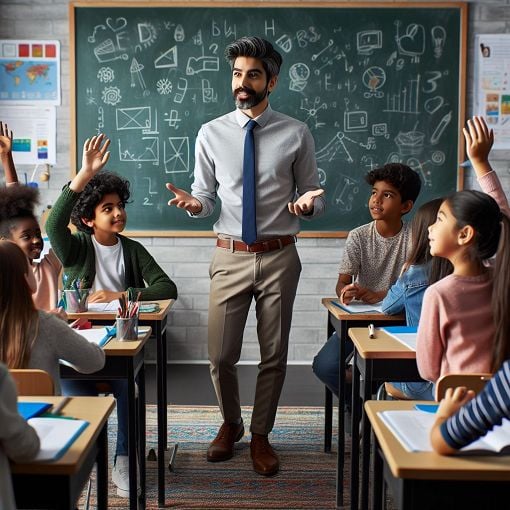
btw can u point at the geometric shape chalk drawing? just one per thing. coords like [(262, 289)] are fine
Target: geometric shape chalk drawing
[(138, 117)]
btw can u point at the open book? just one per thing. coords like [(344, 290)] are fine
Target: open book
[(412, 429), (404, 334), (56, 435), (359, 307)]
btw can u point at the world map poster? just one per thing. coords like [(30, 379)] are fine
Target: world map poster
[(29, 72)]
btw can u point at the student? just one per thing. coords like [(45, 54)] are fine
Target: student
[(34, 339), (18, 224), (98, 255), (406, 294), (105, 261), (374, 253), (463, 315), (18, 440), (462, 419)]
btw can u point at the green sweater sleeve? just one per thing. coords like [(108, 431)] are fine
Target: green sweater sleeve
[(75, 251), (145, 269)]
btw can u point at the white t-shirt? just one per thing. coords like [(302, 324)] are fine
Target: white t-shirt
[(110, 269)]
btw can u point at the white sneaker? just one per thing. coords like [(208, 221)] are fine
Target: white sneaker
[(120, 475)]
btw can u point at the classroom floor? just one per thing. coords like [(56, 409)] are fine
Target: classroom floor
[(191, 385)]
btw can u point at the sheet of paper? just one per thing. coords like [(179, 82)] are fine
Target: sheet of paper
[(56, 435), (404, 334), (359, 307), (112, 306)]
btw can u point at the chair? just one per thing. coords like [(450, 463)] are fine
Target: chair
[(475, 382), (32, 382)]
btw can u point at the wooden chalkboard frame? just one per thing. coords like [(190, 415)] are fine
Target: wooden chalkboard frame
[(461, 6)]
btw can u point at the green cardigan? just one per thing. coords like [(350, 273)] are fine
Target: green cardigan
[(76, 252)]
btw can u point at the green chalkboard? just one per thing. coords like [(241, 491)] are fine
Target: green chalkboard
[(374, 83)]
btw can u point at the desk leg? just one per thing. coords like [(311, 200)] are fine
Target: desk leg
[(162, 407), (132, 449), (377, 486), (355, 416), (142, 433), (328, 419), (102, 469), (366, 431), (341, 421)]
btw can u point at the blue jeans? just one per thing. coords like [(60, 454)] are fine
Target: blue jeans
[(416, 390), (119, 388), (326, 361)]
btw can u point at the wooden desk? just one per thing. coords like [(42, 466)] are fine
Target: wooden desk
[(158, 322), (347, 320), (58, 484), (125, 360), (376, 360), (425, 480)]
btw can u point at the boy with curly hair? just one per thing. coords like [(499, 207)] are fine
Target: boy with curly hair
[(98, 255), (374, 253), (105, 261)]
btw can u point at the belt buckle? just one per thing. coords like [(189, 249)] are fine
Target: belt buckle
[(231, 243)]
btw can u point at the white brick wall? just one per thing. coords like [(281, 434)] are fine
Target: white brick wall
[(186, 260)]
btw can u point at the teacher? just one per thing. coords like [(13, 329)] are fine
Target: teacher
[(261, 164)]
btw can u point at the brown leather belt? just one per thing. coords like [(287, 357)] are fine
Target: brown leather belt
[(260, 247)]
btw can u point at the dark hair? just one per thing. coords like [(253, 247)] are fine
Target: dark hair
[(255, 47), (402, 177), (16, 202), (420, 252), (100, 185), (501, 297), (492, 235)]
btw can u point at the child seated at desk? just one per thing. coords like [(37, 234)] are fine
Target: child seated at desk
[(108, 262), (406, 294), (464, 320), (18, 224), (462, 419), (18, 440), (31, 338), (374, 253)]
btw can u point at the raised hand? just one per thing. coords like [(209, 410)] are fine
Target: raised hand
[(183, 199), (95, 154), (479, 140), (304, 204), (5, 139)]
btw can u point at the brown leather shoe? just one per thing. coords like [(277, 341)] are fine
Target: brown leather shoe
[(265, 461), (222, 447)]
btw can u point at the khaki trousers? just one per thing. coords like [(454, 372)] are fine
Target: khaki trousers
[(237, 277)]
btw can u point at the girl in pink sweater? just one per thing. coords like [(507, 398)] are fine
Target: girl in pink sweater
[(465, 318), (18, 224)]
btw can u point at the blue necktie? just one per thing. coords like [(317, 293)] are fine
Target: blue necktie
[(249, 234)]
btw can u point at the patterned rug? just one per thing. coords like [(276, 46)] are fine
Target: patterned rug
[(306, 479)]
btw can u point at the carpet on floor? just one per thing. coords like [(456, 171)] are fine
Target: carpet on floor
[(306, 478)]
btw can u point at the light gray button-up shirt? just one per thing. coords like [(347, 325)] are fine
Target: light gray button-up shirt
[(285, 169)]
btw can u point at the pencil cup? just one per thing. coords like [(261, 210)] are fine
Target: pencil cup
[(127, 328), (76, 300)]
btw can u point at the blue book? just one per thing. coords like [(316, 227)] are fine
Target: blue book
[(30, 409)]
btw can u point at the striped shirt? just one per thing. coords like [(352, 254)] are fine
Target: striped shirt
[(482, 413), (286, 169)]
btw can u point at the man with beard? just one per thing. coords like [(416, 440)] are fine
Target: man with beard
[(261, 164)]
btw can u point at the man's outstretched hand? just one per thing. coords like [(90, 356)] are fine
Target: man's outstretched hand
[(184, 200)]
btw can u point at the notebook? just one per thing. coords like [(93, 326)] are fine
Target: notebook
[(404, 334), (30, 409), (359, 307), (56, 435), (412, 429), (99, 336)]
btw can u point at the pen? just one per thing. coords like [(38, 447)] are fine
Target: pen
[(58, 408), (371, 331)]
